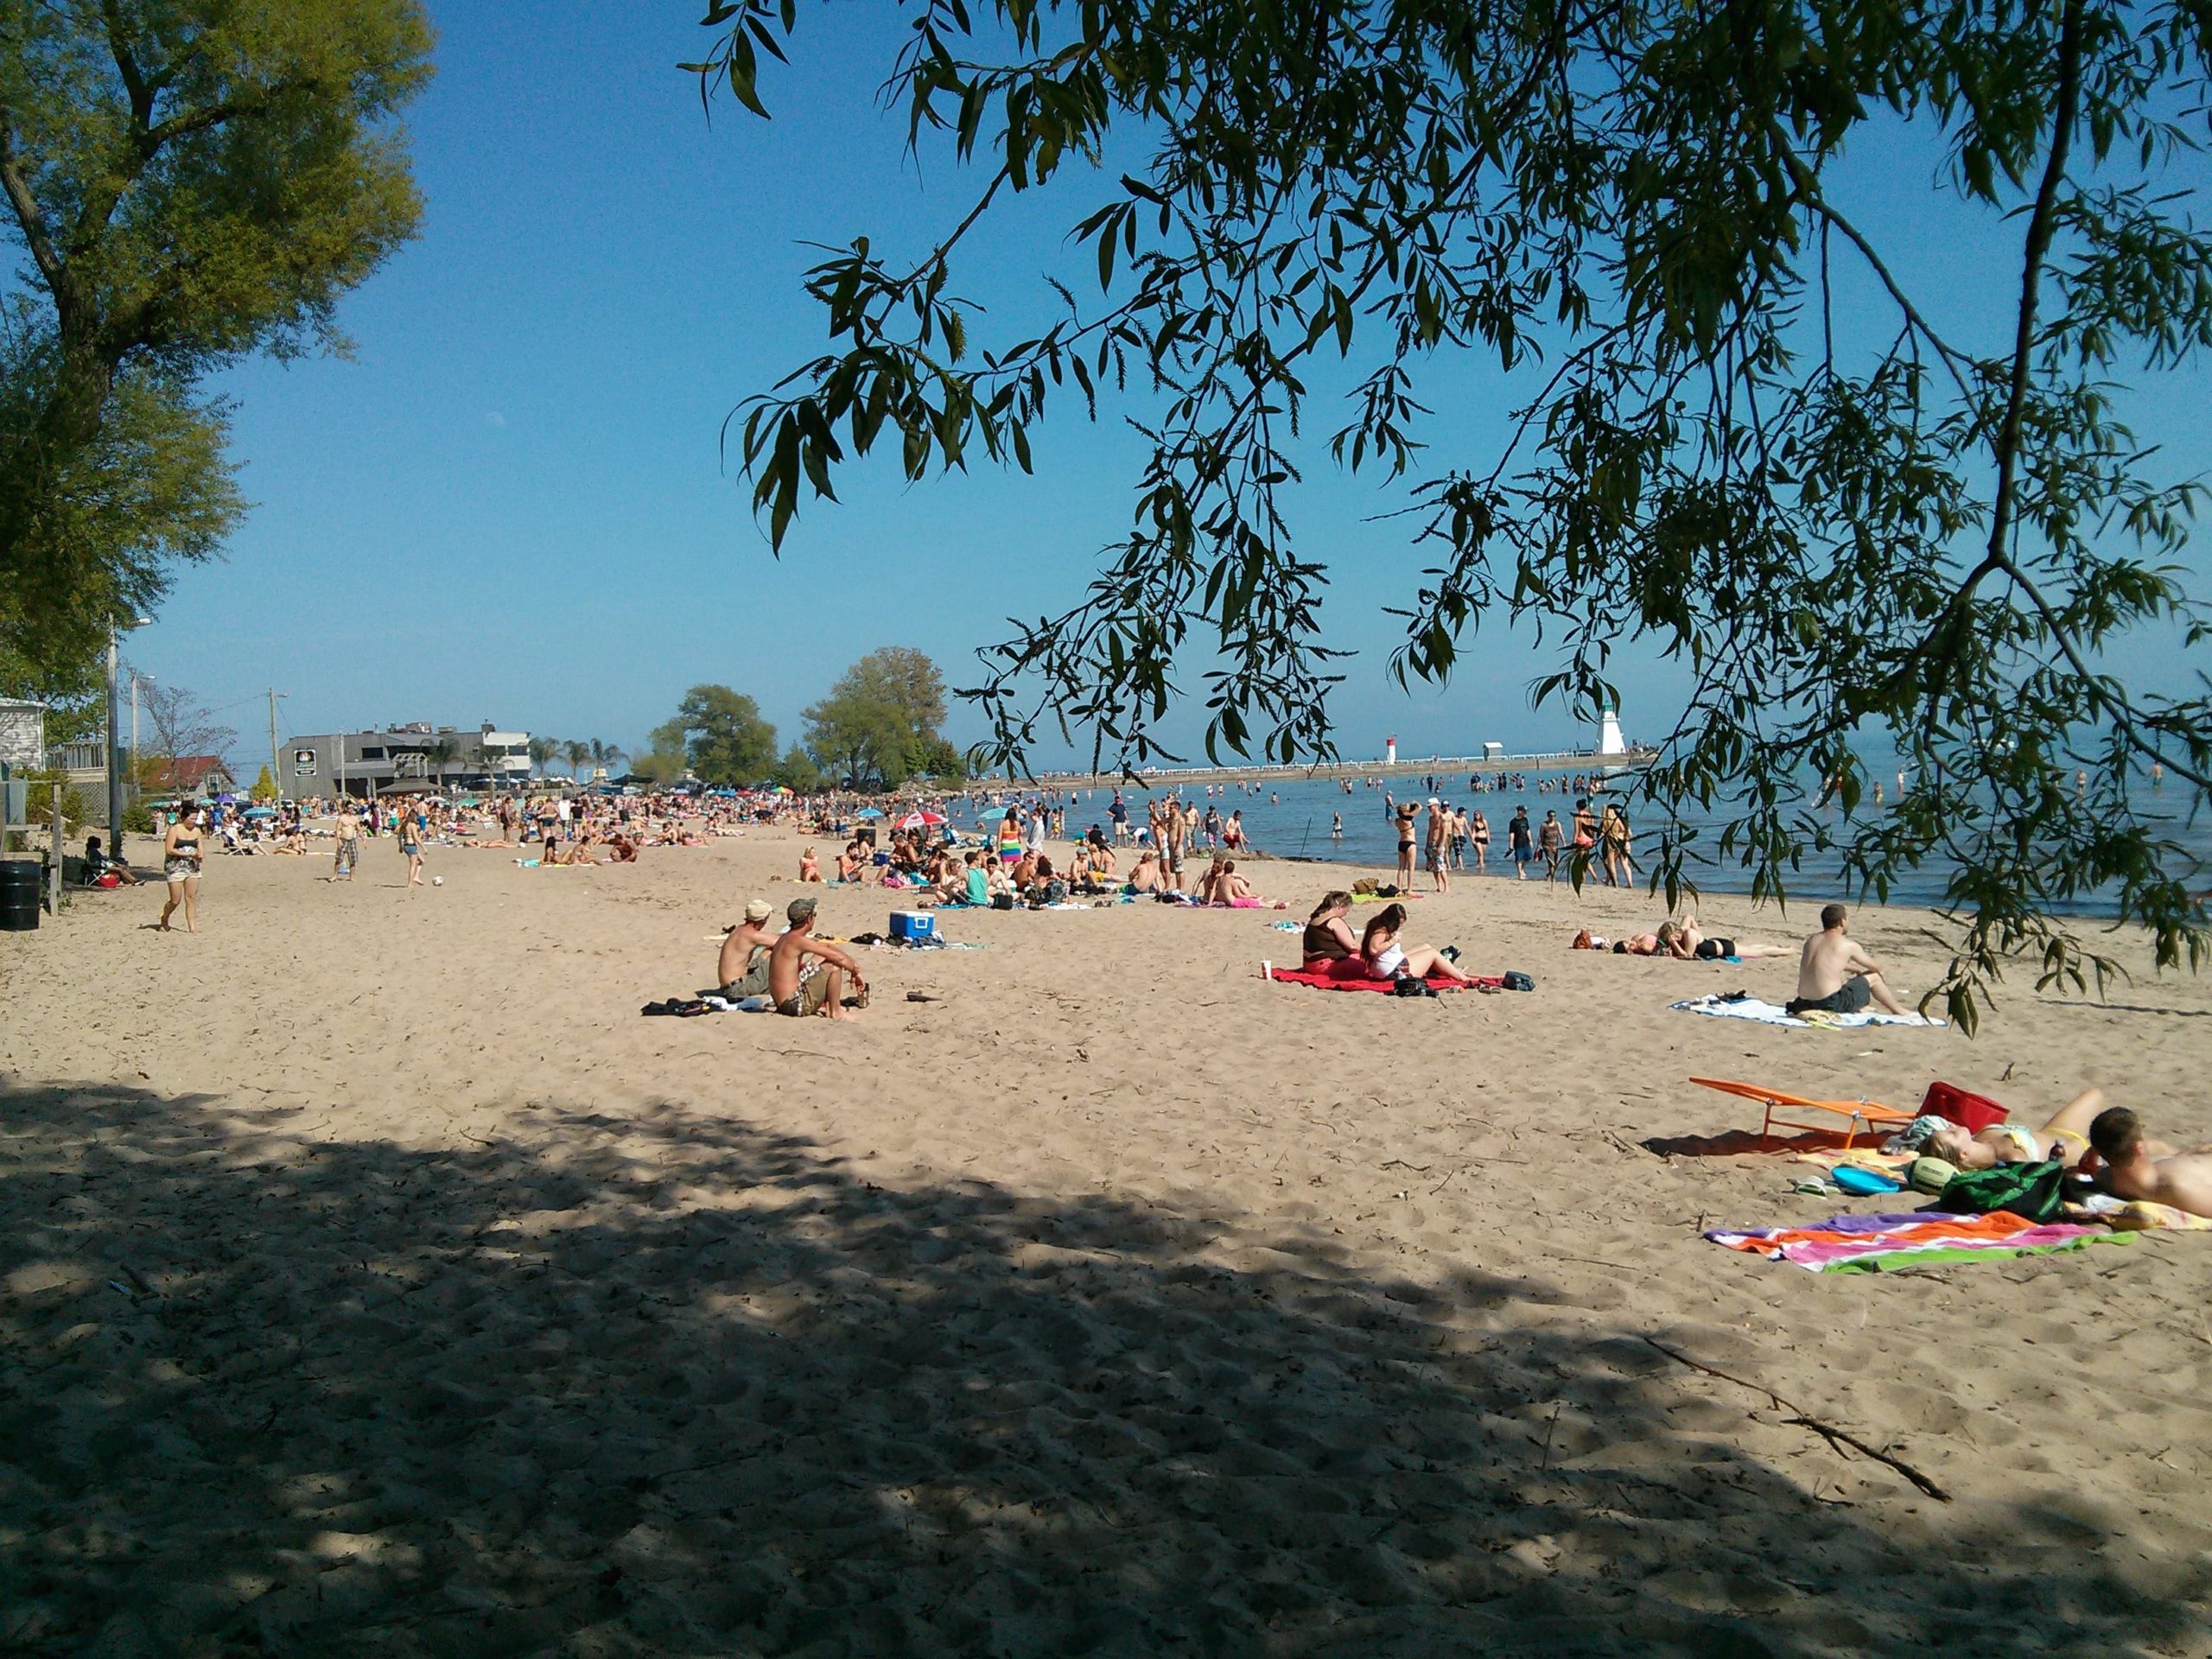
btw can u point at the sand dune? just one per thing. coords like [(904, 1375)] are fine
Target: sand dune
[(376, 1281)]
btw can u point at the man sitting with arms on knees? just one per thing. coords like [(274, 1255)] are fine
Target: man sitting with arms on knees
[(742, 968), (1835, 977), (2137, 1166), (806, 976)]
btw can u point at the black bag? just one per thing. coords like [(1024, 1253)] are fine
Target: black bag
[(1412, 987), (1518, 981), (1002, 901)]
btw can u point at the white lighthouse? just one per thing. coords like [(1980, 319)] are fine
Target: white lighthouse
[(1609, 740), (1390, 752)]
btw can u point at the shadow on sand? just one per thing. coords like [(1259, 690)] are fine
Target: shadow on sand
[(676, 1386)]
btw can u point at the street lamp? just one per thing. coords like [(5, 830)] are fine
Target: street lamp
[(115, 628)]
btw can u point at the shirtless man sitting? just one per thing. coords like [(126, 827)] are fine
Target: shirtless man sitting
[(742, 968), (2137, 1166), (806, 976), (1835, 977)]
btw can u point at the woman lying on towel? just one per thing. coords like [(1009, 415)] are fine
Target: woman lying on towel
[(1387, 957), (2064, 1136)]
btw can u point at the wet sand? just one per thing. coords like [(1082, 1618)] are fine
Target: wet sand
[(376, 1281)]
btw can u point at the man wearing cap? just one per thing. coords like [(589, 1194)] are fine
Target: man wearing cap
[(743, 967), (807, 976)]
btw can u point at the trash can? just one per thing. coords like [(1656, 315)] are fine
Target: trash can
[(19, 885)]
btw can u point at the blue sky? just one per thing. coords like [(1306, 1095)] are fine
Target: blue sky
[(510, 504)]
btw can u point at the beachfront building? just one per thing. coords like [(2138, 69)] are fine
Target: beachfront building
[(402, 758), (22, 735), (187, 776)]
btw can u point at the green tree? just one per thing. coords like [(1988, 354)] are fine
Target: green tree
[(606, 754), (542, 752), (1911, 540), (936, 757), (883, 711), (576, 752), (265, 787), (663, 759), (725, 740), (190, 182), (797, 772), (149, 490), (72, 688)]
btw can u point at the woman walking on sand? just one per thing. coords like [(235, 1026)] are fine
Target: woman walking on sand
[(181, 860)]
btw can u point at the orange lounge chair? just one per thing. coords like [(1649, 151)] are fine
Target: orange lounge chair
[(1862, 1117)]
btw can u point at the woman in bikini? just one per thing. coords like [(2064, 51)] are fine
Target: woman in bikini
[(1387, 957), (1690, 942), (2064, 1135), (180, 860), (1402, 818)]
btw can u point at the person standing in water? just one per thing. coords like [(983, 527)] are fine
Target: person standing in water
[(1402, 818)]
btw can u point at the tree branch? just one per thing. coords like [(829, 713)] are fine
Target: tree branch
[(2041, 223), (29, 213)]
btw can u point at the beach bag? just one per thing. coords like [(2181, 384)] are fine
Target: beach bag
[(1971, 1112), (2035, 1191), (1517, 982)]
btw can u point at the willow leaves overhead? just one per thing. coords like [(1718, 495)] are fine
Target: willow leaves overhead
[(1942, 546)]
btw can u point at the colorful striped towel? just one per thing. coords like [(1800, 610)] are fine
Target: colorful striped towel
[(1872, 1244)]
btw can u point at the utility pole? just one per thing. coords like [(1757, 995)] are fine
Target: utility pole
[(113, 759), (276, 764)]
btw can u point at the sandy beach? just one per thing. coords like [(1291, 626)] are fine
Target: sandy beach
[(378, 1281)]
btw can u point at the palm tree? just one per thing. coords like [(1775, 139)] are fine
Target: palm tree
[(575, 751), (441, 754), (609, 755), (542, 749)]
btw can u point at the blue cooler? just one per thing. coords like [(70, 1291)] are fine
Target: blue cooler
[(913, 926)]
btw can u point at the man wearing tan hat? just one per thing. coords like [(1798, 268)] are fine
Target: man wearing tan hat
[(743, 967), (808, 976)]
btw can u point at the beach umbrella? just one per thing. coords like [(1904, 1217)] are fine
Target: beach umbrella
[(869, 813), (261, 813), (920, 820)]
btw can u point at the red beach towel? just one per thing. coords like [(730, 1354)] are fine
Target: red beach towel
[(1327, 981)]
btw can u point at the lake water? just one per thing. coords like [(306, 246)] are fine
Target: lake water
[(1293, 819)]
